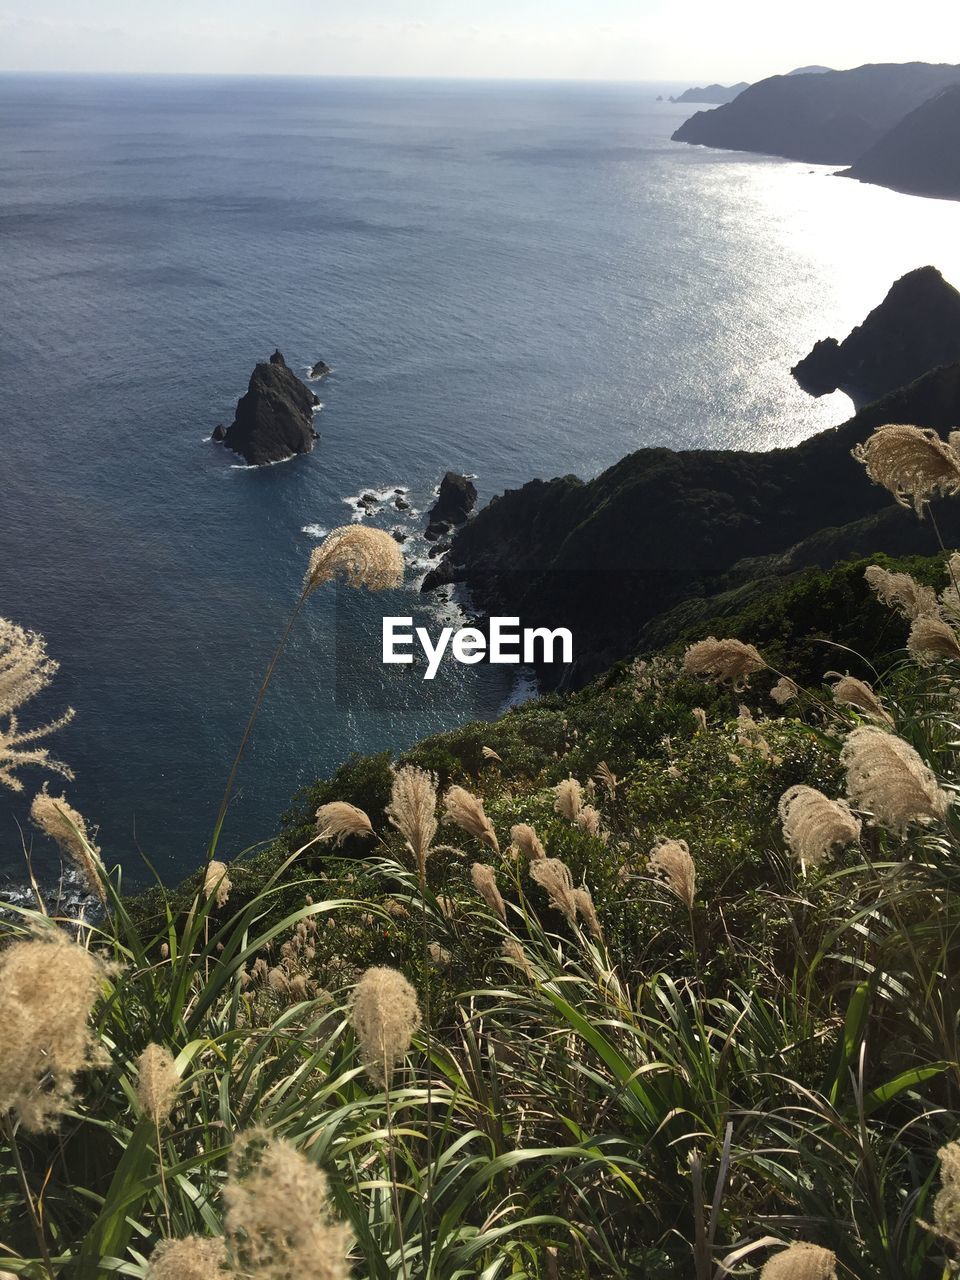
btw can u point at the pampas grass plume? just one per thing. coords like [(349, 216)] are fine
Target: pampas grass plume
[(413, 810), (901, 592), (672, 862), (62, 823), (723, 661), (912, 463), (933, 638), (385, 1014), (466, 810), (813, 825), (278, 1221), (888, 779), (338, 820), (25, 671), (192, 1258), (801, 1262), (485, 882), (48, 987), (217, 882), (527, 841), (158, 1082), (851, 692), (568, 799), (364, 557)]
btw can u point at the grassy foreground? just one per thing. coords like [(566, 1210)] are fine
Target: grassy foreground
[(656, 980)]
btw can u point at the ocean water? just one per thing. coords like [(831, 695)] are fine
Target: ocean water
[(510, 280)]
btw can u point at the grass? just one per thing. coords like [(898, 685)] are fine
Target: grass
[(679, 1096)]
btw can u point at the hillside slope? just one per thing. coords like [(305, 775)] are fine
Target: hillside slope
[(828, 118), (920, 154)]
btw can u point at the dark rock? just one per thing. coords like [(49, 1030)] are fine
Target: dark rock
[(273, 420), (320, 369), (369, 500), (440, 549), (455, 500), (399, 535), (659, 527), (920, 154), (219, 432), (829, 118), (401, 503), (915, 329)]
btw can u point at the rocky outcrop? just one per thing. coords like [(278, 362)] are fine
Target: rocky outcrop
[(713, 93), (659, 527), (320, 369), (273, 421), (920, 154), (455, 500), (915, 329), (828, 118)]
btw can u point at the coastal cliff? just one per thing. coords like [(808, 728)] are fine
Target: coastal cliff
[(921, 154), (660, 527), (830, 117), (273, 420), (913, 330)]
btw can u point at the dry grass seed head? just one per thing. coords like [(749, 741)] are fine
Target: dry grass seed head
[(784, 691), (25, 671), (568, 799), (932, 638), (64, 824), (672, 862), (553, 876), (814, 825), (413, 809), (384, 1014), (723, 661), (588, 820), (911, 463), (278, 1221), (801, 1262), (158, 1083), (485, 882), (901, 592), (338, 820), (217, 882), (887, 779), (192, 1258), (48, 987), (527, 841), (583, 901), (466, 810), (946, 1206), (364, 557), (851, 692)]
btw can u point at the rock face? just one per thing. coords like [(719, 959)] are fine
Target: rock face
[(915, 329), (831, 117), (921, 154), (606, 557), (273, 420), (713, 93), (320, 369), (455, 501)]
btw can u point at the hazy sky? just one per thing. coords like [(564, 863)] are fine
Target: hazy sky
[(694, 40)]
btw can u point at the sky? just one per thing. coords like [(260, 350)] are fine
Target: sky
[(696, 40)]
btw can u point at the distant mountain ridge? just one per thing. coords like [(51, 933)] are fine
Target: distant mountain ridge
[(888, 118), (714, 93)]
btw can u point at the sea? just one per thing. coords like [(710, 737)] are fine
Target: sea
[(509, 280)]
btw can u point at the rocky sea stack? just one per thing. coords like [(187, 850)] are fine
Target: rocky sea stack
[(273, 421), (455, 500), (915, 329)]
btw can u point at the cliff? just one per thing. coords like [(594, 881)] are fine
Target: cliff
[(830, 117), (273, 420), (920, 154), (606, 556), (913, 330)]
